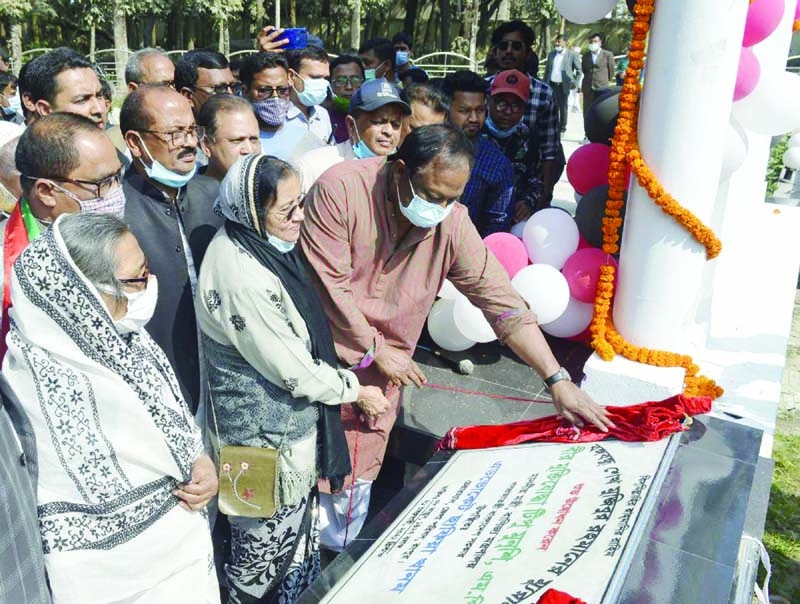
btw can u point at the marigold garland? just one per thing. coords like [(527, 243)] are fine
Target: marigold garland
[(606, 341)]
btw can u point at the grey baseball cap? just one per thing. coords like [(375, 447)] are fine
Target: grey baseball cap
[(374, 94)]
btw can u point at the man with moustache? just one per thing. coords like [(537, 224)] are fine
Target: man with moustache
[(374, 122), (161, 133)]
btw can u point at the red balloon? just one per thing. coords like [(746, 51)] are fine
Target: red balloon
[(509, 250), (582, 243), (582, 270), (587, 167)]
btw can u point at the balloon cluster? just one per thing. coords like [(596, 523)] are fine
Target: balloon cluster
[(551, 266), (761, 91)]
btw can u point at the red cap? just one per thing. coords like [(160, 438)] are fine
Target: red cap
[(512, 81)]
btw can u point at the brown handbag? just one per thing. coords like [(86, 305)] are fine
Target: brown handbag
[(248, 481), (248, 478)]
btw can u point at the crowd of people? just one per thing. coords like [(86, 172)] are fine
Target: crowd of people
[(259, 243)]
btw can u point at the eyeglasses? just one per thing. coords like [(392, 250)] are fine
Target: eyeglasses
[(503, 106), (144, 278), (287, 216), (266, 92), (229, 87), (342, 81), (98, 187), (515, 45), (179, 137)]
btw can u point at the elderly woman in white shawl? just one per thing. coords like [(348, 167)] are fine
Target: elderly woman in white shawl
[(122, 471)]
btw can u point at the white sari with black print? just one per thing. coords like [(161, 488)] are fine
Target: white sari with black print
[(114, 438)]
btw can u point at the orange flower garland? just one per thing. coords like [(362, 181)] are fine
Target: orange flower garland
[(606, 341)]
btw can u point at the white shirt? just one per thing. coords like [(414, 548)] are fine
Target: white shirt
[(558, 60), (318, 122), (313, 163)]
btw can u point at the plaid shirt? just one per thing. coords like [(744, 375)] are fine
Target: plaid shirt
[(541, 116), (22, 576), (490, 191), (522, 150)]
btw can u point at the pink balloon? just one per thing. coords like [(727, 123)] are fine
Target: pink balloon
[(797, 11), (587, 167), (509, 250), (748, 74), (582, 243), (582, 270), (763, 16)]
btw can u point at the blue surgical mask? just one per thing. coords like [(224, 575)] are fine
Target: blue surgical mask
[(370, 74), (279, 244), (15, 103), (315, 91), (360, 149), (164, 175), (9, 111), (423, 213), (497, 130), (401, 57)]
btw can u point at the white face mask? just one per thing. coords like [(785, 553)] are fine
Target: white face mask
[(279, 244), (421, 212), (315, 91), (141, 306), (594, 47)]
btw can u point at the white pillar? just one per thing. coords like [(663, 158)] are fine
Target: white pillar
[(690, 73)]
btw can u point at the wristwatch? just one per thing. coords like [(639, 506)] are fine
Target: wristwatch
[(561, 374)]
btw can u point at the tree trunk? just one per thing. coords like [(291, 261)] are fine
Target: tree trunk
[(355, 25), (92, 41), (470, 25), (277, 22), (120, 45), (16, 46), (410, 22), (191, 36), (444, 10), (292, 13), (426, 40)]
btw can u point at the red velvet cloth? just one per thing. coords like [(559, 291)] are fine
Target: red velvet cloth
[(638, 423), (15, 241), (553, 596)]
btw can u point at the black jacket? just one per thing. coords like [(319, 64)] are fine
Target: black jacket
[(154, 220)]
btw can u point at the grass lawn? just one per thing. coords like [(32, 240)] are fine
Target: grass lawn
[(782, 536)]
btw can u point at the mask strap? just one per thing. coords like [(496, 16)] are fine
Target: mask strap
[(149, 155)]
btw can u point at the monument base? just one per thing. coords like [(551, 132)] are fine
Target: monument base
[(622, 382)]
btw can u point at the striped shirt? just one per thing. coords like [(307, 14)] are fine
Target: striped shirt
[(490, 190), (377, 287), (22, 575)]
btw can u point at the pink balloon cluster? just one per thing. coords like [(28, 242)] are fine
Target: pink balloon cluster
[(763, 16)]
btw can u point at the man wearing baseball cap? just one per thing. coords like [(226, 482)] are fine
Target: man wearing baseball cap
[(509, 92), (374, 120)]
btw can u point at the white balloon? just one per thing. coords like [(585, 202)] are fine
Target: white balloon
[(442, 327), (584, 11), (471, 322), (545, 289), (550, 236), (791, 159), (735, 149), (518, 229), (576, 318), (449, 291), (794, 141), (769, 109)]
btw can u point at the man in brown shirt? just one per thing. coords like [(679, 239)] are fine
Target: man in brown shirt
[(382, 237)]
